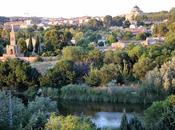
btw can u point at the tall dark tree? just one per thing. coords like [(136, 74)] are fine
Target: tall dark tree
[(37, 45), (124, 122), (107, 21), (135, 124), (30, 45), (118, 21), (126, 24)]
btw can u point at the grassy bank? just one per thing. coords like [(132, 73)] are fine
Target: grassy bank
[(105, 94)]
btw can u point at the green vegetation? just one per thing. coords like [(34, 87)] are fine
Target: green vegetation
[(87, 72), (34, 116), (61, 74), (18, 75), (68, 123), (109, 94), (159, 116)]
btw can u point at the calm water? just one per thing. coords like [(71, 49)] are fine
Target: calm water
[(102, 114)]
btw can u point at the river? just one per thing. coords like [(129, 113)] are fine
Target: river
[(102, 114)]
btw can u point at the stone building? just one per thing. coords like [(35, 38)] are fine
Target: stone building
[(135, 11), (13, 50)]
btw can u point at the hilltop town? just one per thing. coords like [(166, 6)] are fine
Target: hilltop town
[(134, 27)]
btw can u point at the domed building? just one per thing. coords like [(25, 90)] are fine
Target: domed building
[(135, 11)]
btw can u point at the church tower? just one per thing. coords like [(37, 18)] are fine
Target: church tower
[(12, 37), (12, 50)]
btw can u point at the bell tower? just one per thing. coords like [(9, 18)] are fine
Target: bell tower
[(12, 37), (12, 50)]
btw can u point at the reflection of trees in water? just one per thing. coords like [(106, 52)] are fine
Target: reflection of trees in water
[(70, 107)]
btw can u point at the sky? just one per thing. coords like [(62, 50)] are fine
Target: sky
[(74, 8)]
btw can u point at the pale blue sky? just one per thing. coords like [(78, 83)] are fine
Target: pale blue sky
[(73, 8)]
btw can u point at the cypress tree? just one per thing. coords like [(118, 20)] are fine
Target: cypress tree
[(30, 45), (37, 45)]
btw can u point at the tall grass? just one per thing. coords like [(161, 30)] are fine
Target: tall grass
[(104, 94)]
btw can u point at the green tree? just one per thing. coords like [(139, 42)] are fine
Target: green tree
[(108, 73), (68, 36), (126, 24), (127, 36), (18, 111), (38, 112), (166, 116), (160, 30), (143, 65), (135, 124), (93, 78), (95, 58), (30, 44), (141, 36), (107, 21), (61, 75), (108, 57), (94, 24), (37, 45), (22, 44), (136, 52), (73, 53), (17, 74), (68, 123), (78, 36), (170, 39), (55, 39), (118, 21), (111, 38)]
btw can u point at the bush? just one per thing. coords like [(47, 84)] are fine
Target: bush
[(68, 123), (103, 76)]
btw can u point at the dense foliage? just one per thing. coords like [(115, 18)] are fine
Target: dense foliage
[(68, 123), (17, 74), (34, 116), (87, 70)]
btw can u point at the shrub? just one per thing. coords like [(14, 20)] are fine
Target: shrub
[(68, 123)]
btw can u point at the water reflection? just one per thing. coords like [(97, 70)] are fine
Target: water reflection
[(108, 119), (102, 114)]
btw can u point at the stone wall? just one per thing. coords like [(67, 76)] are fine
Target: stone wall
[(28, 59)]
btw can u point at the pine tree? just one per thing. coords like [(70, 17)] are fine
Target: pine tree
[(30, 45), (37, 45)]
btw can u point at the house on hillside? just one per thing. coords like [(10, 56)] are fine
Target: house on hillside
[(153, 40)]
